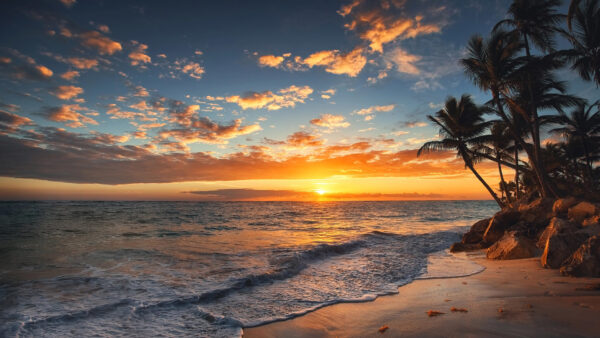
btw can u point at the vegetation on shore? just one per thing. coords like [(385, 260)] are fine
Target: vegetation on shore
[(516, 66)]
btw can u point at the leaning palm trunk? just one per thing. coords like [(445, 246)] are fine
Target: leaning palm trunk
[(516, 173), (503, 189), (469, 164)]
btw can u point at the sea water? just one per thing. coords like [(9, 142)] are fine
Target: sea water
[(209, 268)]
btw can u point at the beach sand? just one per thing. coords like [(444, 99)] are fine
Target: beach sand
[(516, 298)]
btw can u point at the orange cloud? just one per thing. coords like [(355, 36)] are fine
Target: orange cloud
[(102, 44), (206, 131), (270, 61), (82, 63), (138, 55), (68, 3), (286, 97), (23, 67), (69, 113), (10, 122), (379, 23), (66, 92), (405, 63), (70, 75), (52, 157), (330, 121), (336, 63)]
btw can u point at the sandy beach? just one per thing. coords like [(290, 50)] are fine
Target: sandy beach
[(511, 298)]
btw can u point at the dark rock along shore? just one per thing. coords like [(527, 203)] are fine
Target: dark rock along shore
[(566, 232)]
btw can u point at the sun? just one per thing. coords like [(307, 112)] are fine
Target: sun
[(320, 191)]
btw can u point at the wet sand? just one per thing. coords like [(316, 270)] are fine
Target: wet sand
[(516, 298)]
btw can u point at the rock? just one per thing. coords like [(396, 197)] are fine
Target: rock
[(460, 246), (561, 206), (512, 246), (498, 225), (557, 225), (590, 230), (581, 211), (475, 234), (590, 221), (559, 247), (585, 261)]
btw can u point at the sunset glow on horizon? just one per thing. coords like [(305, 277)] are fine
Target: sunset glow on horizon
[(316, 100)]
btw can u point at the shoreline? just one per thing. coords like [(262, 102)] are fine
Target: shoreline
[(507, 298)]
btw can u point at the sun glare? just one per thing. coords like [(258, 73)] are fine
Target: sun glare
[(320, 191)]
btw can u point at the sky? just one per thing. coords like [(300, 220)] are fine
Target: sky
[(242, 100)]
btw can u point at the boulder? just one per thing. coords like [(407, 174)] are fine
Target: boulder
[(582, 211), (557, 225), (559, 247), (585, 262), (561, 206), (591, 221), (590, 230), (475, 234), (512, 246), (460, 246), (498, 225)]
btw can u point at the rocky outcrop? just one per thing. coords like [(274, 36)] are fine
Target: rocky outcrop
[(581, 211), (585, 261), (561, 206), (591, 221), (460, 247), (557, 225), (559, 247), (471, 240), (499, 224), (475, 235), (512, 246)]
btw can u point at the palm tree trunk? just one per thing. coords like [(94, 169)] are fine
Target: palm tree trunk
[(516, 173), (545, 188), (502, 182), (588, 161), (469, 164), (532, 155)]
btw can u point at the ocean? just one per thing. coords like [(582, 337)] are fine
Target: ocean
[(208, 269)]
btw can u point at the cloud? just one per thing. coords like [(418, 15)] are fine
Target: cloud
[(382, 22), (335, 62), (206, 131), (367, 112), (10, 122), (251, 195), (302, 139), (330, 121), (58, 155), (141, 91), (68, 3), (66, 92), (102, 44), (68, 113), (413, 124), (70, 75), (285, 98), (82, 63), (138, 56), (23, 67), (270, 61), (327, 94), (103, 28), (404, 62)]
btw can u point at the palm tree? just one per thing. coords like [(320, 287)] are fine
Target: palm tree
[(536, 22), (581, 125), (497, 143), (585, 38), (461, 126)]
